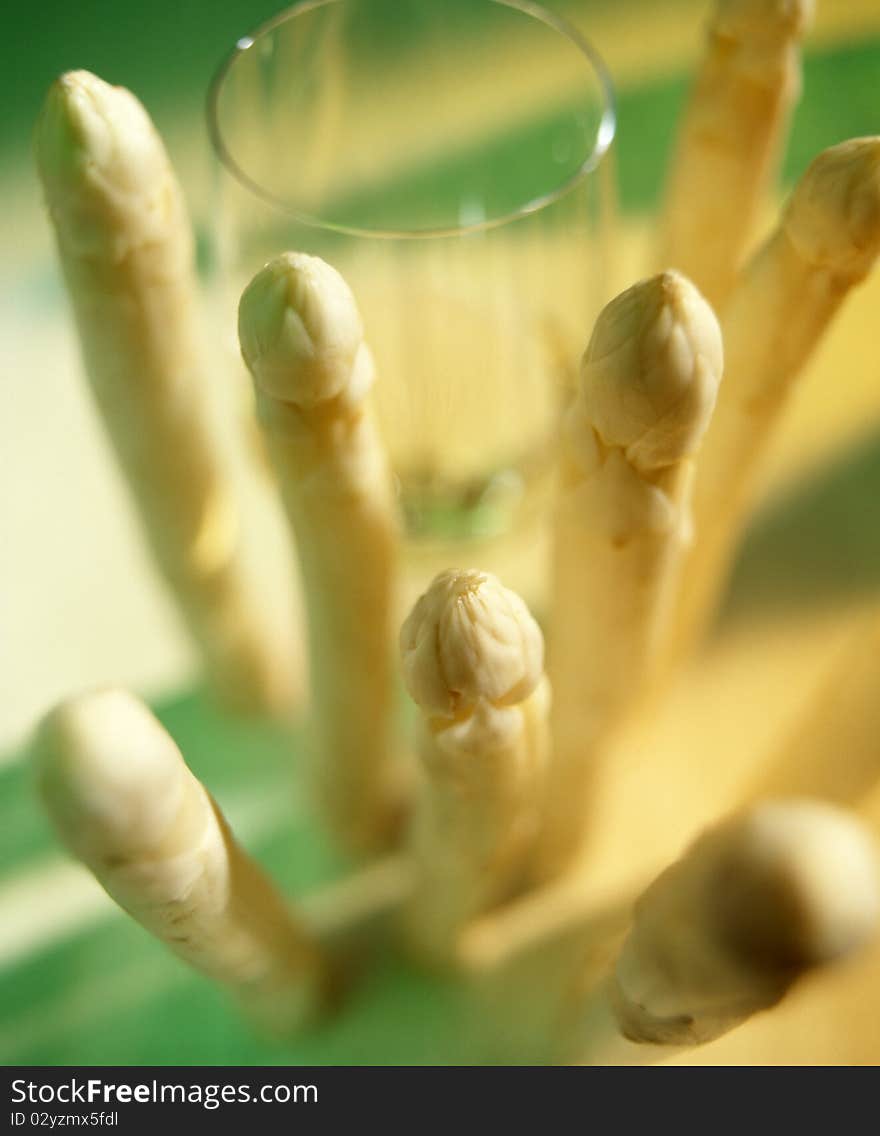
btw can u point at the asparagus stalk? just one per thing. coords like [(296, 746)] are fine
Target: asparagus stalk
[(302, 340), (730, 138), (648, 384), (125, 248), (472, 660), (124, 802), (755, 904), (826, 243)]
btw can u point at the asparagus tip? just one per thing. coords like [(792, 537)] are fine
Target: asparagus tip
[(651, 371), (469, 639), (88, 129), (300, 331)]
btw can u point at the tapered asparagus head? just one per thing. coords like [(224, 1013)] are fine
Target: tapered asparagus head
[(300, 331), (104, 170), (111, 778), (752, 905), (762, 20), (650, 375), (469, 640), (833, 216)]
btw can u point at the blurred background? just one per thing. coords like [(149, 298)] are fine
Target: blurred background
[(79, 603)]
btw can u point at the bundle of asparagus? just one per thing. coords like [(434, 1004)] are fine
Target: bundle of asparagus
[(646, 518)]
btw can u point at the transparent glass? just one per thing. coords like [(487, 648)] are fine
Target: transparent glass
[(450, 158)]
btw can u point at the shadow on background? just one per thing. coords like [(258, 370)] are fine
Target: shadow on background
[(817, 546)]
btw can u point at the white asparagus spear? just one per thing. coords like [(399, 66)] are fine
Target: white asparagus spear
[(123, 801), (648, 384), (730, 138), (301, 338), (125, 248), (472, 660), (834, 750), (826, 243), (752, 906)]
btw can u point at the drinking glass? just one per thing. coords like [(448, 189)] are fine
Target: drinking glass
[(451, 159)]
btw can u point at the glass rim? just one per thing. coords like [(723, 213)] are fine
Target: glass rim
[(604, 136)]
